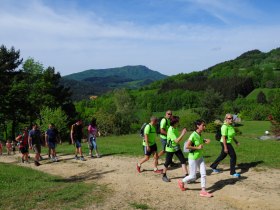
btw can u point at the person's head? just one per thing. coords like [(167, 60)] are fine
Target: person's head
[(154, 120), (34, 126), (51, 125), (228, 118), (199, 125), (168, 114), (174, 120), (79, 121), (93, 121)]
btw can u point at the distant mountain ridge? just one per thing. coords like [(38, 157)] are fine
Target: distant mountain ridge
[(130, 72), (98, 81)]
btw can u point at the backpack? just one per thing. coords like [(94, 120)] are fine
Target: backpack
[(158, 124), (218, 134), (142, 129)]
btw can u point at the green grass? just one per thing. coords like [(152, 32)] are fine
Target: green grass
[(253, 95), (139, 206), (25, 188)]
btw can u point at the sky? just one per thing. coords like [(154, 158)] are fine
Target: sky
[(169, 36)]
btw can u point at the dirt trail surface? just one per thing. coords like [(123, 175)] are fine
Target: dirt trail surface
[(258, 188)]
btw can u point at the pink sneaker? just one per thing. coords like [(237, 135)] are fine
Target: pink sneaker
[(181, 185), (205, 194), (158, 171), (138, 168)]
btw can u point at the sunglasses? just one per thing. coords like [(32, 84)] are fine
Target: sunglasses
[(169, 113), (229, 118)]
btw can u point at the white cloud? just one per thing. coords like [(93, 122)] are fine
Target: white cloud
[(73, 41)]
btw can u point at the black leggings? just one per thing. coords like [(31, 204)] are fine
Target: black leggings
[(223, 155), (169, 156)]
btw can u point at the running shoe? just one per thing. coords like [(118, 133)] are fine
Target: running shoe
[(165, 179), (236, 175), (205, 194), (158, 171), (82, 158), (76, 157), (181, 185), (138, 168), (36, 163), (215, 170)]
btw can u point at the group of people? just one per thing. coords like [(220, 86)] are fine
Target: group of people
[(33, 140), (170, 138), (76, 135)]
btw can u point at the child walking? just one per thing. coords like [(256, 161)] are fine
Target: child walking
[(195, 145), (92, 134)]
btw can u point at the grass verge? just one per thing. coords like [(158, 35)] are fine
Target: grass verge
[(25, 188)]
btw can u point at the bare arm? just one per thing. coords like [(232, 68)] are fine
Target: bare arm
[(181, 136)]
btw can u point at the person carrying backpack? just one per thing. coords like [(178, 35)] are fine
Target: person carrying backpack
[(149, 145), (163, 128), (228, 135)]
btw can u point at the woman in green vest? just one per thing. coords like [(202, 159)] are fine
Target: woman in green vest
[(173, 147), (195, 145), (228, 133)]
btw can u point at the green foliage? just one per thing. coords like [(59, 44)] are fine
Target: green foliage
[(56, 116)]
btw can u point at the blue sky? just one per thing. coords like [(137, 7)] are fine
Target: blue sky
[(170, 36)]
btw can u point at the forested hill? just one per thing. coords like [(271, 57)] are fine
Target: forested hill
[(232, 78), (128, 72), (98, 81)]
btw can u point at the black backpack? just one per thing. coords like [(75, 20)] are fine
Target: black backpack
[(218, 134), (158, 124), (142, 129)]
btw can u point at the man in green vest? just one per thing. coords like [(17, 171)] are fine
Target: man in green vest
[(149, 145)]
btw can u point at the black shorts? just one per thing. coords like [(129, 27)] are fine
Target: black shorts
[(23, 150), (153, 149), (169, 156)]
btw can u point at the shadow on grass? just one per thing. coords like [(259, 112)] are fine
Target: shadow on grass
[(85, 176), (222, 183)]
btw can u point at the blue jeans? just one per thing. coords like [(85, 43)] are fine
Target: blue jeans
[(92, 143)]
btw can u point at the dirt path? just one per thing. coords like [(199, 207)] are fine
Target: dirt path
[(259, 188)]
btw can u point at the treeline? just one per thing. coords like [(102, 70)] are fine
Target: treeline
[(27, 89)]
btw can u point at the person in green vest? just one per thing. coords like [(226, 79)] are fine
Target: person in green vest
[(228, 135), (149, 145), (173, 147), (164, 125), (196, 160)]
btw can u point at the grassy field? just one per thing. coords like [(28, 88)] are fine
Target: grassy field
[(253, 95), (251, 150), (24, 188)]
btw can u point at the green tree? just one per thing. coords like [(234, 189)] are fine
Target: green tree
[(56, 116), (261, 98)]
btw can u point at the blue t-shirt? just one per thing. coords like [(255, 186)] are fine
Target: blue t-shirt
[(52, 134), (35, 136)]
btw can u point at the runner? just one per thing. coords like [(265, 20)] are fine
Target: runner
[(76, 137), (196, 160), (228, 133), (173, 147), (51, 136), (92, 134), (34, 142), (1, 147), (149, 145), (22, 139)]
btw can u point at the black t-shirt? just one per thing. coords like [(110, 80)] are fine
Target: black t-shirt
[(77, 131)]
